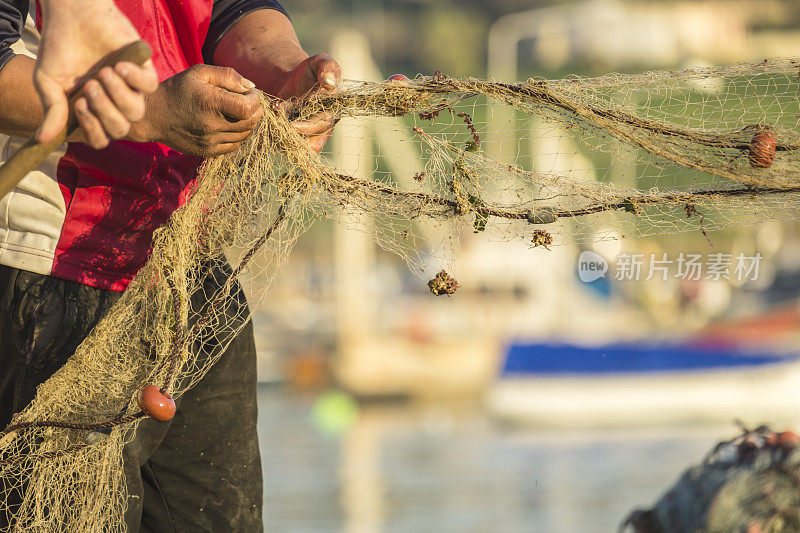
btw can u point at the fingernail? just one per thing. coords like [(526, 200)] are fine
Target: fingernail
[(330, 79), (247, 84), (123, 69)]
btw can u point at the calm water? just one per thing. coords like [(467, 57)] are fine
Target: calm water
[(417, 469)]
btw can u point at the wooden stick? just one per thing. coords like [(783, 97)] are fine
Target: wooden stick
[(32, 154)]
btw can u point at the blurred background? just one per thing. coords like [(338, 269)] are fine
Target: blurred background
[(530, 400)]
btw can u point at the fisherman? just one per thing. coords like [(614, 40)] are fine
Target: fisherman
[(76, 230)]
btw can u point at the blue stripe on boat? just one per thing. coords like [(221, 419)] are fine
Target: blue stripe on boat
[(621, 358)]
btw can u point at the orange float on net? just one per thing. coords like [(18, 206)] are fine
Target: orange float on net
[(155, 404), (400, 79), (762, 149), (788, 440)]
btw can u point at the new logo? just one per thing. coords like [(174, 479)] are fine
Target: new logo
[(591, 266)]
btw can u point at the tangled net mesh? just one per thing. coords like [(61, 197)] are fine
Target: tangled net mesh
[(544, 161)]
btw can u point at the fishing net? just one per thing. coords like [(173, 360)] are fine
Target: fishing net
[(417, 163), (745, 485)]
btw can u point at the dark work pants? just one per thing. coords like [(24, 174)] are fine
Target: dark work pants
[(199, 472)]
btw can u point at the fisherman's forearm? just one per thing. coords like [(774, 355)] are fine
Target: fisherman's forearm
[(20, 108), (263, 47)]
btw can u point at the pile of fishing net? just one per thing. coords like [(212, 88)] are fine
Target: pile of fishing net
[(417, 163), (749, 484)]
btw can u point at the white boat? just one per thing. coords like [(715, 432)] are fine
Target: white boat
[(615, 385)]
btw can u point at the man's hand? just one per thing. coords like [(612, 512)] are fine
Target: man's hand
[(317, 73), (264, 47), (204, 111), (76, 34)]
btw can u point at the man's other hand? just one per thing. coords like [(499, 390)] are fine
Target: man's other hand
[(76, 34), (317, 73), (204, 111)]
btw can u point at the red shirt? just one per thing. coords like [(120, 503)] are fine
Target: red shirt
[(117, 197)]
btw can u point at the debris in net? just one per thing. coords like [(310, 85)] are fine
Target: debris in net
[(430, 115), (419, 176), (470, 126), (630, 206), (747, 484), (691, 209), (543, 215), (762, 148), (468, 121), (443, 284), (438, 76), (541, 238)]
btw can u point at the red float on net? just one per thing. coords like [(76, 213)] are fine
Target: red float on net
[(155, 404)]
